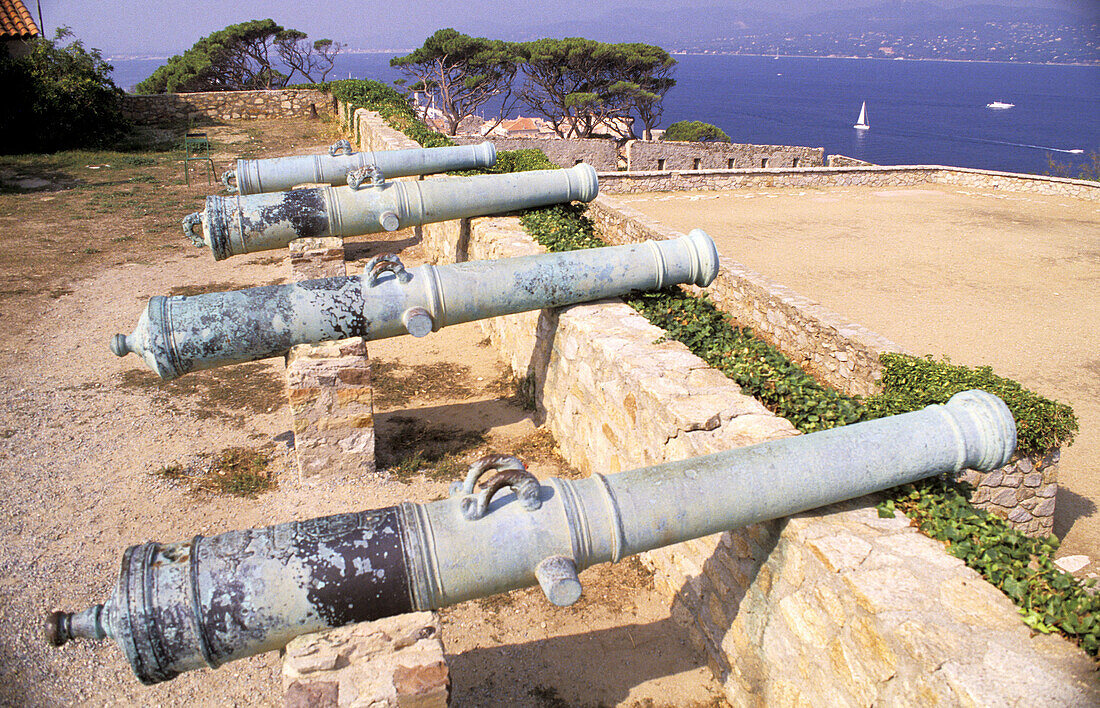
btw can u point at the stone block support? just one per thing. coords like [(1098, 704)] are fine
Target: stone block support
[(329, 384), (397, 661)]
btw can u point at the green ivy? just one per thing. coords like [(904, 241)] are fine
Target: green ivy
[(390, 104), (1022, 567), (910, 383), (563, 227), (523, 160), (396, 111)]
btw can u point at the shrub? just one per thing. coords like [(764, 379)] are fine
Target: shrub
[(695, 131), (58, 98), (391, 105)]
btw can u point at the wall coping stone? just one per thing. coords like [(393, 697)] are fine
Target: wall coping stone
[(835, 605), (935, 174)]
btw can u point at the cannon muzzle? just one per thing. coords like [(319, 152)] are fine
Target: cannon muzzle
[(179, 334), (261, 222), (207, 601), (282, 173)]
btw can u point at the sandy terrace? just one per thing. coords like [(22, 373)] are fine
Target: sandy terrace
[(981, 276), (97, 454)]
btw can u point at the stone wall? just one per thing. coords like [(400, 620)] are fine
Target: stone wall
[(837, 607), (840, 353), (857, 176), (368, 131), (1023, 492), (600, 153), (845, 161), (646, 155), (167, 108)]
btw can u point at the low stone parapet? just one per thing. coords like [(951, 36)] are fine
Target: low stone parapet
[(670, 180), (839, 352), (601, 153), (370, 132), (1023, 492), (845, 161), (648, 155), (836, 606), (162, 108)]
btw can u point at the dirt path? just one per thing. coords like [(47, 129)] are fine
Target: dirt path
[(984, 277), (96, 454)]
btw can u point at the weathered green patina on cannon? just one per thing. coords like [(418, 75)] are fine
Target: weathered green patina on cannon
[(207, 601), (279, 174), (261, 222), (179, 334)]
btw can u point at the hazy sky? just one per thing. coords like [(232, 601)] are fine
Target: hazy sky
[(170, 26)]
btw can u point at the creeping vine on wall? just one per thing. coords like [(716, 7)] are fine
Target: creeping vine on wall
[(1022, 567)]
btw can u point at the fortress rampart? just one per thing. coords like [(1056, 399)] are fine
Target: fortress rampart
[(836, 606)]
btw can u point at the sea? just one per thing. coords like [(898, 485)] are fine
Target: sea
[(919, 112)]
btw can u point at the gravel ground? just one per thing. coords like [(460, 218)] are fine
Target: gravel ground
[(85, 438)]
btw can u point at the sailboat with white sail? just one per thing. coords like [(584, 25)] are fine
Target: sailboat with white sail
[(861, 123)]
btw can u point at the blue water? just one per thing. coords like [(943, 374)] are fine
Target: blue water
[(920, 112)]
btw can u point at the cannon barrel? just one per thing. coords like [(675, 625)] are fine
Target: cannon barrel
[(282, 173), (179, 334), (207, 601), (260, 222)]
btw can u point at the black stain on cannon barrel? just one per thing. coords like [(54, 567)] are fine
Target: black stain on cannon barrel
[(357, 566), (303, 209)]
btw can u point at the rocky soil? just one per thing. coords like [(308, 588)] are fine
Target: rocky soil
[(96, 454)]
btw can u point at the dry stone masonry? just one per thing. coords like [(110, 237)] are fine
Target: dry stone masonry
[(329, 384), (841, 353), (846, 176), (650, 155), (835, 607), (601, 153), (396, 662), (1023, 492), (161, 108)]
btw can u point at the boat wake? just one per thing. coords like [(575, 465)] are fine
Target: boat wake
[(1044, 148), (987, 141)]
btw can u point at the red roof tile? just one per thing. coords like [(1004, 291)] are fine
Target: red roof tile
[(15, 20), (519, 124)]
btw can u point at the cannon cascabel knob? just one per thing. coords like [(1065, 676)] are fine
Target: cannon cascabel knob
[(244, 592), (185, 333), (260, 222)]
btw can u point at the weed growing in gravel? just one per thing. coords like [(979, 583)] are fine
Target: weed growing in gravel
[(236, 471), (396, 384), (408, 447), (253, 388)]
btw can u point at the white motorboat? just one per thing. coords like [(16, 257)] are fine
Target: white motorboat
[(999, 105)]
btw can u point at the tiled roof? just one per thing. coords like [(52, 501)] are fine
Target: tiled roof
[(15, 20), (519, 124)]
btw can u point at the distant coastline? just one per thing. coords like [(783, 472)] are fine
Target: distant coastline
[(678, 52)]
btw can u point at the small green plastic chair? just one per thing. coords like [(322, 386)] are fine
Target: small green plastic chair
[(196, 147)]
